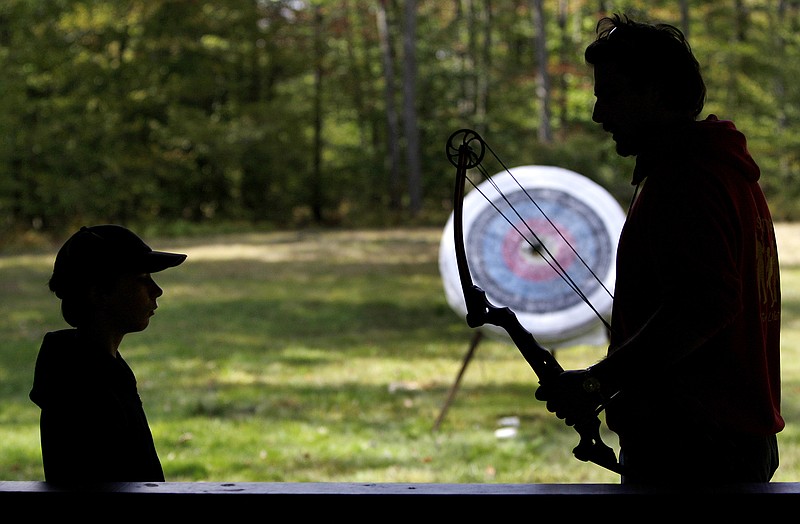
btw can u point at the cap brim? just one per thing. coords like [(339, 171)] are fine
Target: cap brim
[(156, 261)]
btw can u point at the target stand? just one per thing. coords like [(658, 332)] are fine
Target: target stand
[(515, 227)]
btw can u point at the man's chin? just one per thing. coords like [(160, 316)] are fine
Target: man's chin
[(625, 148)]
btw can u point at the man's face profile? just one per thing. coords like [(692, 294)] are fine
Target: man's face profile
[(625, 111)]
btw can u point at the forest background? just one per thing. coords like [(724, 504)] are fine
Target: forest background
[(187, 115)]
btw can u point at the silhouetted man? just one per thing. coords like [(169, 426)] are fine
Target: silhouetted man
[(691, 381)]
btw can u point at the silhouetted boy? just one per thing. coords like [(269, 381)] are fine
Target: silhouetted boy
[(93, 427)]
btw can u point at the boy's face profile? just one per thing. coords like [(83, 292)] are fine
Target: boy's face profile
[(102, 274), (126, 304)]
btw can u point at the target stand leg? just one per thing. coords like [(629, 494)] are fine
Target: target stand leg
[(476, 338)]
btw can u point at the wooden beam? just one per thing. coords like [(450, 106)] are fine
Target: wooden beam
[(359, 501)]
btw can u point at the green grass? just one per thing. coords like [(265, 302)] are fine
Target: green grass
[(323, 356)]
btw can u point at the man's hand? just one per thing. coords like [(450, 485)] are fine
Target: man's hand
[(572, 395)]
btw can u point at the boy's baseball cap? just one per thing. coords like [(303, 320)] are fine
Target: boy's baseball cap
[(106, 249)]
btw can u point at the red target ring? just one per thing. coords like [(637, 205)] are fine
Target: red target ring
[(524, 257)]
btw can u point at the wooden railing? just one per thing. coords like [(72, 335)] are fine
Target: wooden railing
[(291, 501)]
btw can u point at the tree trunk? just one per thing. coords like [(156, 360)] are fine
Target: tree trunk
[(542, 75), (316, 173), (563, 59), (410, 109), (483, 73), (392, 132)]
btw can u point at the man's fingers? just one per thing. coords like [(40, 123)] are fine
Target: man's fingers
[(541, 393)]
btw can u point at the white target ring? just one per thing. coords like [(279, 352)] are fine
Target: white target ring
[(564, 216)]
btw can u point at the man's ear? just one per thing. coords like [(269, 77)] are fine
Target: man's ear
[(661, 107), (94, 296), (653, 94)]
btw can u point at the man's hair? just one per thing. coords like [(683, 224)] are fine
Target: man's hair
[(654, 55)]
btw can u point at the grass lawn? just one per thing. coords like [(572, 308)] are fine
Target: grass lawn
[(327, 356)]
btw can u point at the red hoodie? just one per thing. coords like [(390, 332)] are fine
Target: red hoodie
[(696, 315)]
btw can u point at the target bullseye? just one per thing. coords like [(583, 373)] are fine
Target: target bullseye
[(527, 255)]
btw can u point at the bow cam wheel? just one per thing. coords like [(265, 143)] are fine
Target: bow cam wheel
[(470, 140)]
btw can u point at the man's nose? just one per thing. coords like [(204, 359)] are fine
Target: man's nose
[(597, 114)]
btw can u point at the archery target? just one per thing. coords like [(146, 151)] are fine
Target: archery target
[(548, 214)]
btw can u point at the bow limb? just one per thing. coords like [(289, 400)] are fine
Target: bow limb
[(481, 311)]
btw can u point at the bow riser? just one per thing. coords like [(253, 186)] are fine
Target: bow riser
[(480, 311)]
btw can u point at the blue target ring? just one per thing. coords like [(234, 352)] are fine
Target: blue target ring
[(523, 262), (558, 229)]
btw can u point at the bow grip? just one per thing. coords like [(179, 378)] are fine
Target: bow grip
[(591, 447)]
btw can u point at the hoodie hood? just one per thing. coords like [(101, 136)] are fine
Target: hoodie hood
[(51, 375), (67, 369), (712, 142)]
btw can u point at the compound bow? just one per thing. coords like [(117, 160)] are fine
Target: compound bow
[(481, 311)]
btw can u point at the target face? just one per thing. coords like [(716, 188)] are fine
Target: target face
[(532, 240)]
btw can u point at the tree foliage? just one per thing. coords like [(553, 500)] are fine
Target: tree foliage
[(169, 111)]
